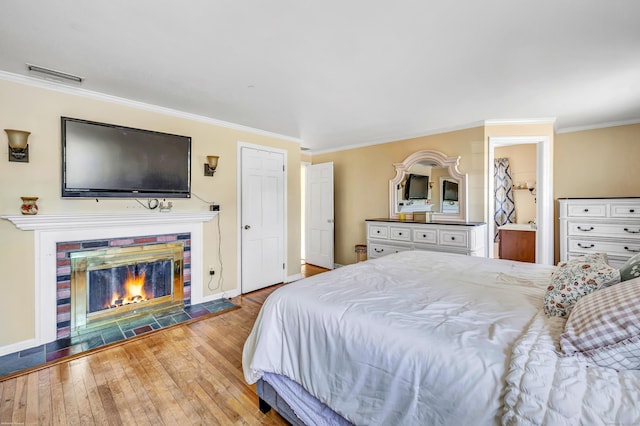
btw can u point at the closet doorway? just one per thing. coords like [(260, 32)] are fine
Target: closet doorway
[(542, 192)]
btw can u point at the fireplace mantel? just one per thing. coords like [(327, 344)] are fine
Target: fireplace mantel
[(101, 220), (48, 230)]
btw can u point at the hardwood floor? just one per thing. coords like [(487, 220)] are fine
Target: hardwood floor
[(309, 270), (189, 374)]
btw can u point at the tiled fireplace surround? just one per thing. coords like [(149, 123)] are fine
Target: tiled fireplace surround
[(50, 231), (63, 270)]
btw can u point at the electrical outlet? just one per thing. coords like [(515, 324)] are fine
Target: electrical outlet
[(211, 270)]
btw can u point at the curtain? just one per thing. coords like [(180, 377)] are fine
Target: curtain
[(505, 207)]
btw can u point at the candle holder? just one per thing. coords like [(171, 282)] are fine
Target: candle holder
[(29, 205)]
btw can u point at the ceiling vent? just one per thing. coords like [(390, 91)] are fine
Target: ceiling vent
[(57, 75)]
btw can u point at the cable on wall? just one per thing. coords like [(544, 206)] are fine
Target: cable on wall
[(152, 203), (200, 198), (220, 276)]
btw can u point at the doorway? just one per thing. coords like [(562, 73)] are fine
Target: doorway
[(543, 194)]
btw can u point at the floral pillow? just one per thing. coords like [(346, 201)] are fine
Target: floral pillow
[(631, 269), (575, 279), (604, 327)]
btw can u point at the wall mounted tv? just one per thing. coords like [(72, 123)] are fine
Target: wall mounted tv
[(449, 190), (416, 187), (107, 160)]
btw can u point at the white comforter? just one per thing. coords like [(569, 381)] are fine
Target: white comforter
[(544, 388), (414, 338)]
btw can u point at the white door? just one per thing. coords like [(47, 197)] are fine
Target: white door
[(262, 218), (319, 215)]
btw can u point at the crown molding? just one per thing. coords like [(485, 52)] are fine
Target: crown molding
[(381, 141), (519, 121), (77, 91), (598, 126)]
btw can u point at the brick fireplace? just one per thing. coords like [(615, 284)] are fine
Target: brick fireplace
[(117, 230)]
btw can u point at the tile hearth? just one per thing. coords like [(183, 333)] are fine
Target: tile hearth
[(68, 346)]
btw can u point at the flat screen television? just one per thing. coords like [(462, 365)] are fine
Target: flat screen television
[(107, 160), (416, 187), (449, 190)]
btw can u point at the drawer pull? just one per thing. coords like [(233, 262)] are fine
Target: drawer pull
[(632, 250), (631, 232), (377, 232), (399, 233), (453, 238), (377, 250), (632, 210), (586, 230), (586, 210), (586, 246), (424, 235)]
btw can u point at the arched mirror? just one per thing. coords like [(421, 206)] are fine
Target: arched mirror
[(429, 181)]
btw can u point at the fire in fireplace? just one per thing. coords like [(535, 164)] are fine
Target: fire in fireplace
[(117, 283), (111, 288)]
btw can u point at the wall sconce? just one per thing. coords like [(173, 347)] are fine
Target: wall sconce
[(531, 186), (211, 165), (18, 145)]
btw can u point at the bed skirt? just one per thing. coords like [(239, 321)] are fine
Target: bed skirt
[(295, 404)]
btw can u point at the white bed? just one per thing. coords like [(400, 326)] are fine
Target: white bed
[(432, 338)]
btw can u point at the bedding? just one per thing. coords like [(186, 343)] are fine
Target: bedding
[(425, 338), (604, 327), (546, 388)]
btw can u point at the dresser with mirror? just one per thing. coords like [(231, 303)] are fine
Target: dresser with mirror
[(427, 210)]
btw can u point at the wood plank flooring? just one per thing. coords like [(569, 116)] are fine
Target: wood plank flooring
[(189, 374)]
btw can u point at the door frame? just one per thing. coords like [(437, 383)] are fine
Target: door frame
[(544, 193), (303, 208), (285, 198)]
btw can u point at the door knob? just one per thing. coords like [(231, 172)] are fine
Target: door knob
[(247, 227)]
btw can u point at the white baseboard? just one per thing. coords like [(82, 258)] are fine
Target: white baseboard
[(227, 294), (19, 346)]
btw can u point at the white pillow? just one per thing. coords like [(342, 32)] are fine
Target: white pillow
[(576, 278), (604, 327)]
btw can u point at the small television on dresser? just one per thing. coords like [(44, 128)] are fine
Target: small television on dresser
[(108, 160)]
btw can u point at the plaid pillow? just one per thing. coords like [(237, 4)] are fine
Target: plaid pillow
[(575, 279), (604, 327)]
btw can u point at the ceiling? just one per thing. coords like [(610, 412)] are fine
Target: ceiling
[(344, 73)]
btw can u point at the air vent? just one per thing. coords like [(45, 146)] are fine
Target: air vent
[(53, 73)]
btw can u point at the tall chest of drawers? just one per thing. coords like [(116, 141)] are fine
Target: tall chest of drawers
[(386, 236), (600, 225)]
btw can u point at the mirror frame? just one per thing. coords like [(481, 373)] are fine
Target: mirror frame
[(441, 160)]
